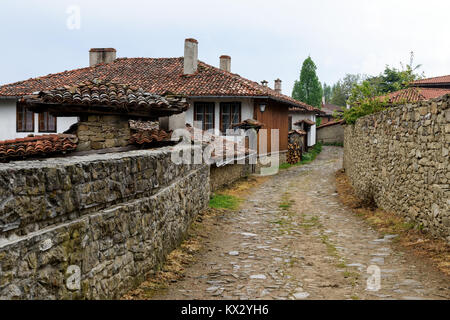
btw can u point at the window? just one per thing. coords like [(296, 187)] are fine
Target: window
[(230, 114), (24, 118), (204, 112), (47, 122), (290, 122)]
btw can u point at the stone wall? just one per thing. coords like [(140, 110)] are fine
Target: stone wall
[(331, 134), (100, 132), (399, 158), (106, 220), (226, 175)]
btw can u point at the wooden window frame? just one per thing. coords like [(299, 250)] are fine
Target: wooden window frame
[(204, 114), (43, 130), (220, 116), (22, 105)]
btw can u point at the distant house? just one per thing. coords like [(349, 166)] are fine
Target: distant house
[(329, 110), (423, 89), (218, 99), (304, 120), (331, 132)]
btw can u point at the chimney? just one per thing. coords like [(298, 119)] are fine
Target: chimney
[(264, 83), (190, 56), (225, 63), (101, 55), (278, 85)]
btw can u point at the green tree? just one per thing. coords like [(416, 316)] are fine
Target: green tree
[(327, 93), (394, 79), (342, 90), (370, 95), (308, 89)]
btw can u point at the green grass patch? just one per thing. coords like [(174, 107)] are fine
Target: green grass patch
[(223, 201), (286, 165)]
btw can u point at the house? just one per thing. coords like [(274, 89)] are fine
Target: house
[(423, 89), (104, 110), (329, 111), (305, 120), (331, 132), (218, 99), (442, 82)]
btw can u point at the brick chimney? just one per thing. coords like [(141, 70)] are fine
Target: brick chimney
[(190, 56), (277, 86), (101, 55), (225, 63)]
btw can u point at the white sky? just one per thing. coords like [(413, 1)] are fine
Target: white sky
[(265, 39)]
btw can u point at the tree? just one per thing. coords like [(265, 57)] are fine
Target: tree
[(342, 90), (394, 79), (370, 96), (308, 89), (327, 93)]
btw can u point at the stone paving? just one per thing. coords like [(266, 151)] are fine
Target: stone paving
[(293, 239)]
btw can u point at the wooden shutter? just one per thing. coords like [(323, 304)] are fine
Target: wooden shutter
[(24, 118)]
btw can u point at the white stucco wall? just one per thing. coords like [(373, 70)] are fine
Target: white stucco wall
[(246, 109), (302, 116), (8, 122)]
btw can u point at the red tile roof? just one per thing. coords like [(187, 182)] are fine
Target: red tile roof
[(108, 93), (37, 145), (331, 123), (415, 94), (150, 136), (307, 121), (249, 124), (298, 131), (330, 108), (308, 108), (157, 76), (434, 81)]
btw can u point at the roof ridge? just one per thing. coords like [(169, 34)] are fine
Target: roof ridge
[(431, 78)]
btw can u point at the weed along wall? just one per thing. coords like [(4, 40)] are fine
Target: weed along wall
[(400, 159), (93, 226)]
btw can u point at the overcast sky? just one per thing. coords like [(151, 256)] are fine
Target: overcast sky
[(265, 39)]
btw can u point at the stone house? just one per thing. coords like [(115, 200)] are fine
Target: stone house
[(218, 99)]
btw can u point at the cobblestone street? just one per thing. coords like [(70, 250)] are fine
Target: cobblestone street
[(293, 239)]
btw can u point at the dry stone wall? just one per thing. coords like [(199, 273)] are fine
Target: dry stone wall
[(331, 134), (399, 158), (226, 175), (100, 132), (93, 226)]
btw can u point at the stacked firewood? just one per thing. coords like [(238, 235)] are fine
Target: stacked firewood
[(294, 154)]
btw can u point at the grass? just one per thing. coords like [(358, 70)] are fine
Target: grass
[(306, 157), (224, 201), (411, 236)]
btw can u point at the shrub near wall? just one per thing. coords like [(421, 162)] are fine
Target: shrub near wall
[(399, 158), (93, 227)]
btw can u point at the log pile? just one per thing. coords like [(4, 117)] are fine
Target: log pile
[(294, 154)]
